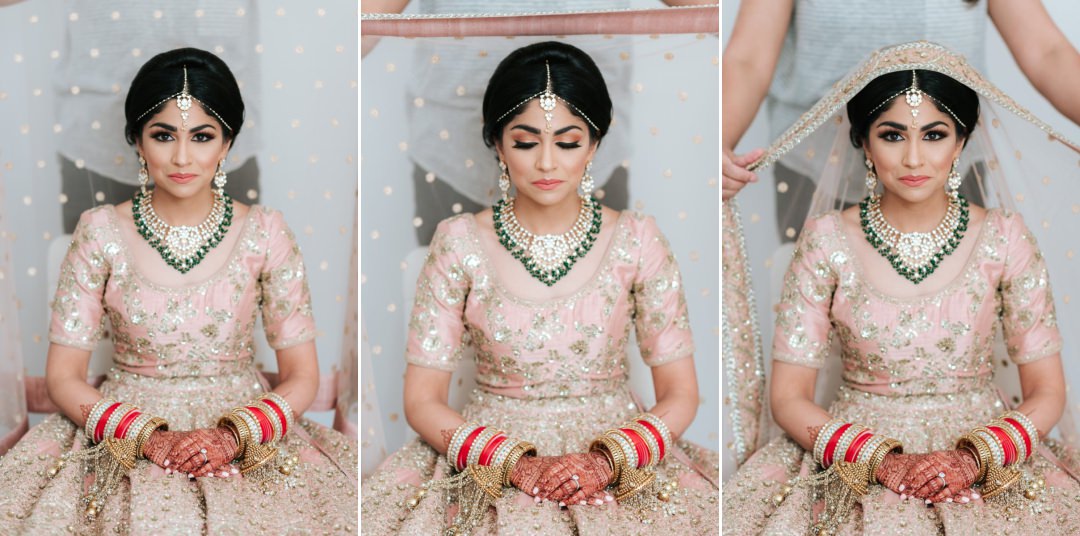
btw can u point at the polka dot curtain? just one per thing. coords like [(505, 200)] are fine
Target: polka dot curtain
[(66, 69), (420, 105)]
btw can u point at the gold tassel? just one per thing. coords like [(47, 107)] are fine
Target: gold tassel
[(474, 490), (109, 462), (840, 485)]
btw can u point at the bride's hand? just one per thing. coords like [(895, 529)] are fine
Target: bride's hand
[(558, 483), (892, 470), (527, 472), (158, 445), (958, 466), (204, 451)]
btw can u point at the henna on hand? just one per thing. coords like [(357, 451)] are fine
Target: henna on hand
[(220, 445), (813, 432), (86, 409), (958, 466), (158, 445), (963, 462), (592, 469), (892, 470), (447, 435), (527, 472)]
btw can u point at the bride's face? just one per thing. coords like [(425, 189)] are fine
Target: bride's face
[(913, 163), (546, 167), (182, 163)]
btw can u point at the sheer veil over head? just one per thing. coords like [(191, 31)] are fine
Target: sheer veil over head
[(1012, 160)]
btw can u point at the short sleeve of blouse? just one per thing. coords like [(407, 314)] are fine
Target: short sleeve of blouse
[(286, 299), (1028, 318), (803, 328), (78, 310), (660, 315), (437, 323)]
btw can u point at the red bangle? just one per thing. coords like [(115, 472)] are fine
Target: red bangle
[(1006, 444), (99, 430), (639, 445), (121, 429), (656, 433), (463, 452), (827, 457), (852, 453), (264, 424), (1023, 433), (280, 414), (489, 449)]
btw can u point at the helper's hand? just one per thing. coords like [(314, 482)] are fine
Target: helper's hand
[(736, 175)]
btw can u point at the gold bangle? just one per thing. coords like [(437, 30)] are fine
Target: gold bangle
[(147, 430), (614, 453), (880, 452), (519, 450), (983, 457), (238, 427)]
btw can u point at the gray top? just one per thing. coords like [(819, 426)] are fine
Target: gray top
[(828, 38)]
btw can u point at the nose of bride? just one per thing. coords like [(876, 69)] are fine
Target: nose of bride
[(912, 156), (181, 156), (546, 162)]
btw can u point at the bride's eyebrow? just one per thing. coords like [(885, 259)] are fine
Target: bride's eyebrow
[(898, 126)]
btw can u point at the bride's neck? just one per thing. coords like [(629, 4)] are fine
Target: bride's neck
[(182, 210), (911, 217), (547, 219)]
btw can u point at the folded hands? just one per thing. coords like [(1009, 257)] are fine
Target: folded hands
[(939, 476), (205, 452), (576, 479)]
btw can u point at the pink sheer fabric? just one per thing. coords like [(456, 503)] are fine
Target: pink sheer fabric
[(656, 21), (12, 403), (346, 405)]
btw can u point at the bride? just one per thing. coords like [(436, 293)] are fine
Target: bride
[(913, 281)]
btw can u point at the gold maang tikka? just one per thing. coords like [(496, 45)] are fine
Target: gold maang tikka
[(914, 97), (547, 99), (183, 101)]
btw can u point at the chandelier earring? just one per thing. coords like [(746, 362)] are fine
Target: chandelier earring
[(220, 178), (144, 175), (952, 186), (504, 182), (587, 183), (871, 178)]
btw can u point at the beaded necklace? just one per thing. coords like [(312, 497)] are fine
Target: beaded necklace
[(182, 246), (914, 255), (548, 257)]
